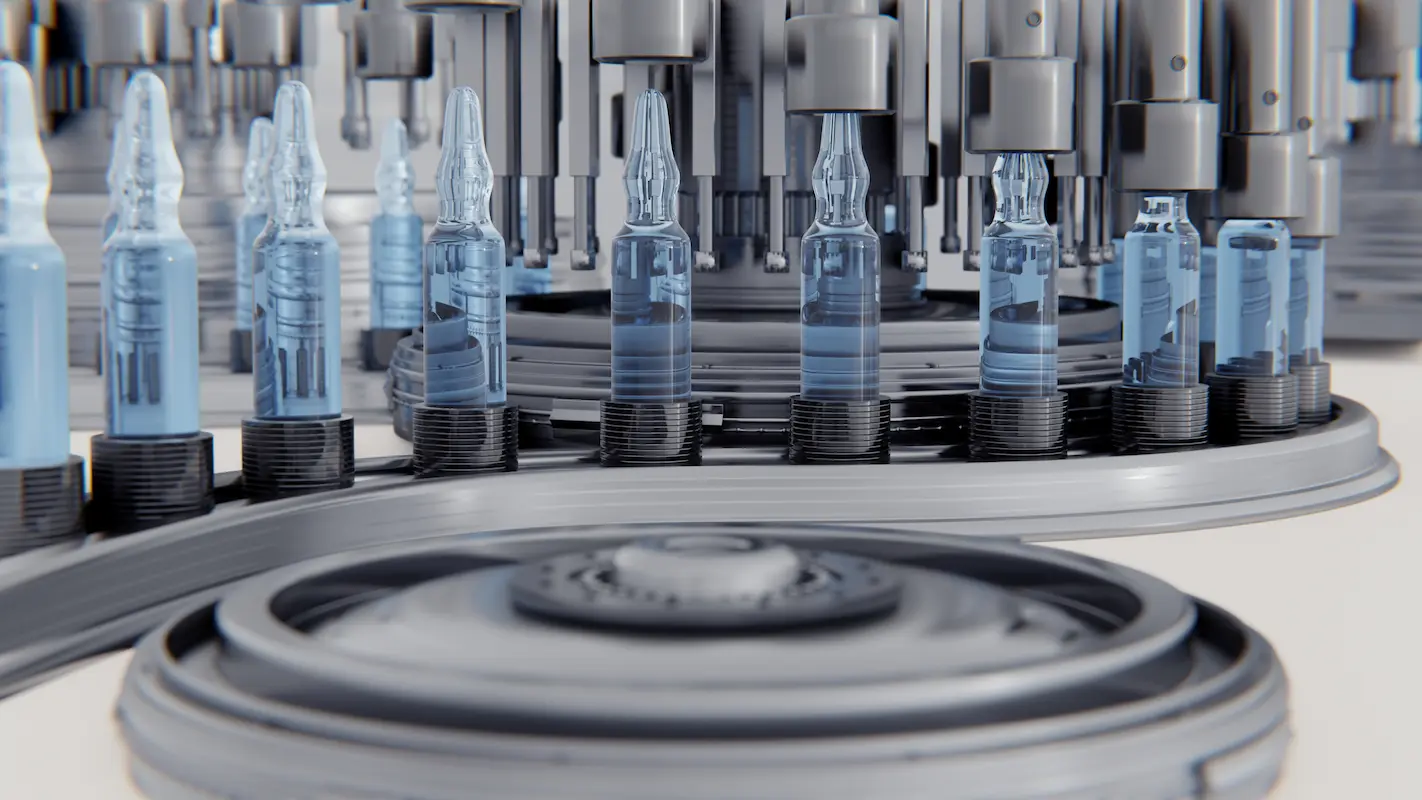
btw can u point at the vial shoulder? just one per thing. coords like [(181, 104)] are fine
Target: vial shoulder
[(666, 231), (861, 232), (33, 255), (1025, 231), (465, 233)]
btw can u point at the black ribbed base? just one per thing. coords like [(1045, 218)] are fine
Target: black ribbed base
[(1252, 407), (650, 434), (143, 483), (376, 347), (1151, 419), (239, 352), (290, 457), (846, 432), (1315, 392), (41, 506), (1017, 428), (464, 441)]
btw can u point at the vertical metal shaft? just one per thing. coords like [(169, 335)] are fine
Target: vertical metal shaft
[(583, 140), (912, 124), (950, 147), (773, 155), (538, 148), (705, 144)]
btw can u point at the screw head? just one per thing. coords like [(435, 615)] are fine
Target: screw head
[(1034, 19), (1177, 63), (1270, 97)]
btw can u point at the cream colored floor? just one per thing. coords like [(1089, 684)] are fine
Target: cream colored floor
[(1335, 592)]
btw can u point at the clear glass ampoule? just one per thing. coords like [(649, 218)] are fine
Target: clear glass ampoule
[(149, 281), (256, 208), (1160, 335), (1018, 303), (651, 270), (465, 332), (1252, 304), (296, 276), (112, 181), (34, 350), (396, 238), (1306, 298), (839, 274)]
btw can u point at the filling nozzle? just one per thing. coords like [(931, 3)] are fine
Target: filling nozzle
[(202, 120), (951, 242), (585, 244), (542, 241), (413, 111)]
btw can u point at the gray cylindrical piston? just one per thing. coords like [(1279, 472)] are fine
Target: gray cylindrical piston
[(1323, 211), (262, 35), (1261, 40), (394, 44), (839, 62), (1385, 28), (662, 31), (1022, 28), (1165, 146), (1021, 105), (1265, 177), (1160, 49)]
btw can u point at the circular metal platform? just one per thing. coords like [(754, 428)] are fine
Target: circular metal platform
[(898, 665), (74, 603)]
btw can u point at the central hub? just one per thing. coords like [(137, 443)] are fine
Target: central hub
[(706, 566)]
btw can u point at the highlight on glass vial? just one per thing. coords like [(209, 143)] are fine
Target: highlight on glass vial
[(396, 246), (1252, 394), (1160, 337), (152, 465), (1307, 291), (256, 208), (1017, 410), (298, 441), (651, 417), (112, 182), (838, 416), (464, 425)]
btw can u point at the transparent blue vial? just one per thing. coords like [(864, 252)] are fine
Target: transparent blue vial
[(651, 270), (296, 276), (1209, 289), (396, 238), (112, 180), (1306, 295), (1108, 276), (1160, 328), (1018, 303), (149, 281), (34, 350), (839, 274), (465, 331), (257, 189), (1252, 303)]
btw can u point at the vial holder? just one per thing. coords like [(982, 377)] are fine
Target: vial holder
[(291, 457), (1252, 407), (650, 434), (1315, 392), (41, 506), (1017, 428), (144, 483), (464, 441), (239, 358), (1152, 419), (839, 432), (377, 346)]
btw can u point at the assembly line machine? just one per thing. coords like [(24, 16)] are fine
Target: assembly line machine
[(736, 618)]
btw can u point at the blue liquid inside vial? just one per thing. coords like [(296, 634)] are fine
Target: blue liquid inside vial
[(651, 270), (1018, 303), (839, 289), (1109, 286), (1160, 337), (297, 277), (1209, 288), (256, 185), (1252, 306), (34, 350), (396, 238), (149, 281), (465, 332), (1306, 297)]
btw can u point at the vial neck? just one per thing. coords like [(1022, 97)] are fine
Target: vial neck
[(22, 214), (296, 203), (841, 175), (1163, 207), (471, 209), (1019, 182), (651, 202), (150, 209)]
